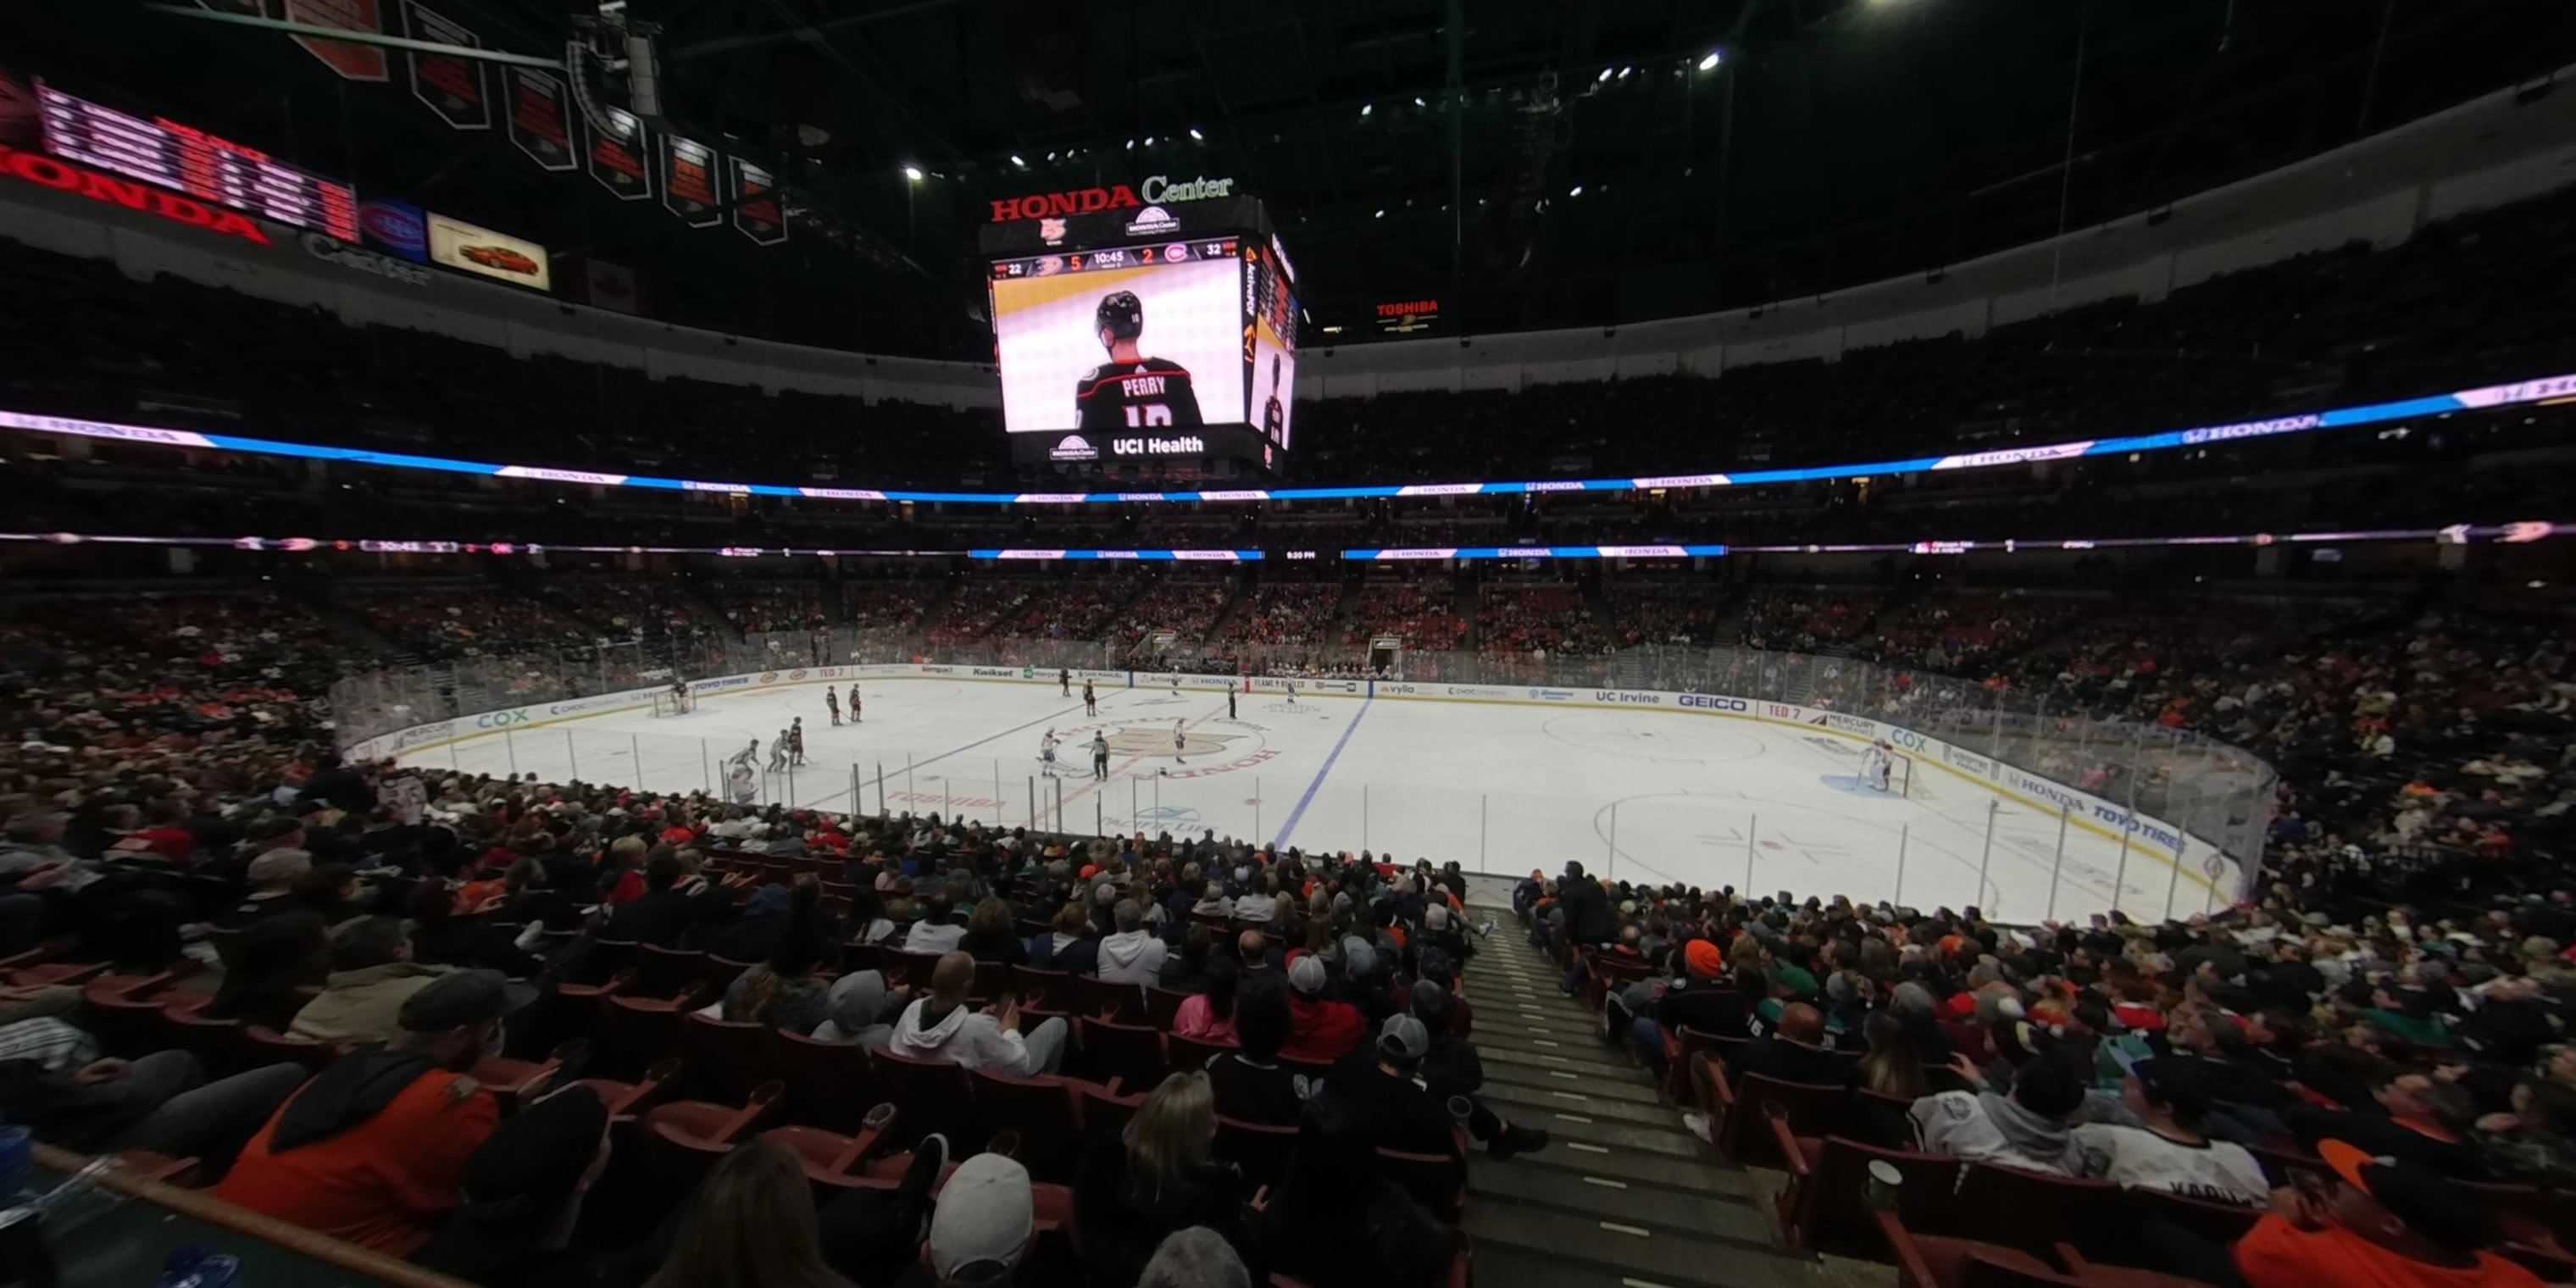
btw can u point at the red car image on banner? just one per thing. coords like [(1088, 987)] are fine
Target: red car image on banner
[(469, 248)]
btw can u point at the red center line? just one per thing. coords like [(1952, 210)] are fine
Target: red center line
[(1116, 770)]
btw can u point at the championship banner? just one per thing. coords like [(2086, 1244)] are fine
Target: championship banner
[(539, 124), (755, 203), (617, 156), (689, 182), (457, 89), (352, 61)]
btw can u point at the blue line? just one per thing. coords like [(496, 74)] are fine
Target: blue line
[(1285, 829)]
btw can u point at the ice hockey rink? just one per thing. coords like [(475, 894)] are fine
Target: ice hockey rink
[(1642, 793)]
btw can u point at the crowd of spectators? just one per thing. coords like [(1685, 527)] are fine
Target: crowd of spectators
[(889, 605), (409, 941), (1285, 613), (757, 606), (638, 608), (1072, 608), (1421, 612), (1807, 618), (1538, 621), (444, 623), (2388, 1097), (1187, 606)]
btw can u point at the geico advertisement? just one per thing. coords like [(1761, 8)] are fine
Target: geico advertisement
[(468, 248)]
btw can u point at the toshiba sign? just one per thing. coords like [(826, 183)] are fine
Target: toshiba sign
[(47, 172), (1091, 201)]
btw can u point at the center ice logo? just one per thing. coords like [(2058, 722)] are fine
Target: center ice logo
[(1155, 740)]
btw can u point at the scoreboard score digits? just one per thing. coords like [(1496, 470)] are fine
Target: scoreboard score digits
[(170, 155)]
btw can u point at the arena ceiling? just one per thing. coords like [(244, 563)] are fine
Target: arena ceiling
[(1528, 164)]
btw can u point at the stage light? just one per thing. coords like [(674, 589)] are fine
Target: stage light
[(1605, 75), (1711, 60), (1381, 214), (1194, 133), (912, 172), (1575, 191), (1015, 160), (1366, 108)]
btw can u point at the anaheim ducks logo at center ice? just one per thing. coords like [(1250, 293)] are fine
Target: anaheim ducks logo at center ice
[(1153, 740)]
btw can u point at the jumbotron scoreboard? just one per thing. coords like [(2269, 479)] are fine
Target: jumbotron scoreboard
[(1143, 335)]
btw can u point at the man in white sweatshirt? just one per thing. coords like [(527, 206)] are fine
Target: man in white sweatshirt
[(942, 1027), (1134, 955)]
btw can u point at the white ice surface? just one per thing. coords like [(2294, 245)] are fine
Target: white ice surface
[(1642, 793)]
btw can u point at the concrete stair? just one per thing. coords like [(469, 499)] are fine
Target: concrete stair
[(1624, 1196)]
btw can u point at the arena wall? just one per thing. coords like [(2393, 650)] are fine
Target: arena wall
[(2196, 860)]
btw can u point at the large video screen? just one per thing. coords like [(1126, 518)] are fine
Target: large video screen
[(1273, 330), (1139, 338)]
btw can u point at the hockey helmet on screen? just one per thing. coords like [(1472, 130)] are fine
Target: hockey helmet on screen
[(1120, 314)]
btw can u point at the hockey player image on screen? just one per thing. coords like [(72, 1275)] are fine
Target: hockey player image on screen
[(1274, 417), (1132, 391)]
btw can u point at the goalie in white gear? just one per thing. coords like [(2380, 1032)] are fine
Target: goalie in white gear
[(1876, 762)]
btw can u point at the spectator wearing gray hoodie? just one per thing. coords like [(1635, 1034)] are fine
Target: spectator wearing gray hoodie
[(2030, 1129), (1133, 955)]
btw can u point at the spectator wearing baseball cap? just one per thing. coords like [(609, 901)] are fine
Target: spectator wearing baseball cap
[(1383, 1087), (984, 1223), (2169, 1151), (1319, 1027), (2379, 1223), (372, 1149), (523, 1194)]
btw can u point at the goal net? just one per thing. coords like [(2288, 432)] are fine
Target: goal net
[(667, 703), (1900, 774)]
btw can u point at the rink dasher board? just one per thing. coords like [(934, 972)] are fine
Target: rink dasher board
[(2199, 861)]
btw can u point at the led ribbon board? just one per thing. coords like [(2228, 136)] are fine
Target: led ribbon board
[(2544, 389)]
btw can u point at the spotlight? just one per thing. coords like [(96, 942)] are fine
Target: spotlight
[(1417, 101), (1381, 214), (1015, 160), (1366, 108), (1194, 133), (1605, 75), (1713, 58), (1623, 72), (1575, 191), (912, 172)]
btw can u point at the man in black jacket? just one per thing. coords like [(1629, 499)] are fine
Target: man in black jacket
[(1452, 1069), (671, 906), (1588, 920)]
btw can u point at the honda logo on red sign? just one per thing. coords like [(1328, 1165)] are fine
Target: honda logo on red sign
[(1081, 201), (51, 173)]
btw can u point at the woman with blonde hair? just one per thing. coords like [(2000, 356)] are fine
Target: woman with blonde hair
[(1156, 1177), (751, 1225)]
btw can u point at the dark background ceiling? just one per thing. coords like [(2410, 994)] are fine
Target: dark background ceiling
[(1407, 148)]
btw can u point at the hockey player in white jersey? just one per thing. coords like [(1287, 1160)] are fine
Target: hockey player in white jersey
[(1180, 740), (1876, 761), (1046, 753)]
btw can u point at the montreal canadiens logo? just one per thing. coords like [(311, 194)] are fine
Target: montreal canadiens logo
[(394, 226)]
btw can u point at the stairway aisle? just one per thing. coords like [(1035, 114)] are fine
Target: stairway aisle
[(1623, 1196)]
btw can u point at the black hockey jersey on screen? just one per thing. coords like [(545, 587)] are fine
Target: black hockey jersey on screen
[(1151, 393), (1273, 418)]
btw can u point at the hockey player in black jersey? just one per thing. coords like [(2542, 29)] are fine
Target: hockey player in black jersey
[(1132, 391), (1273, 416)]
